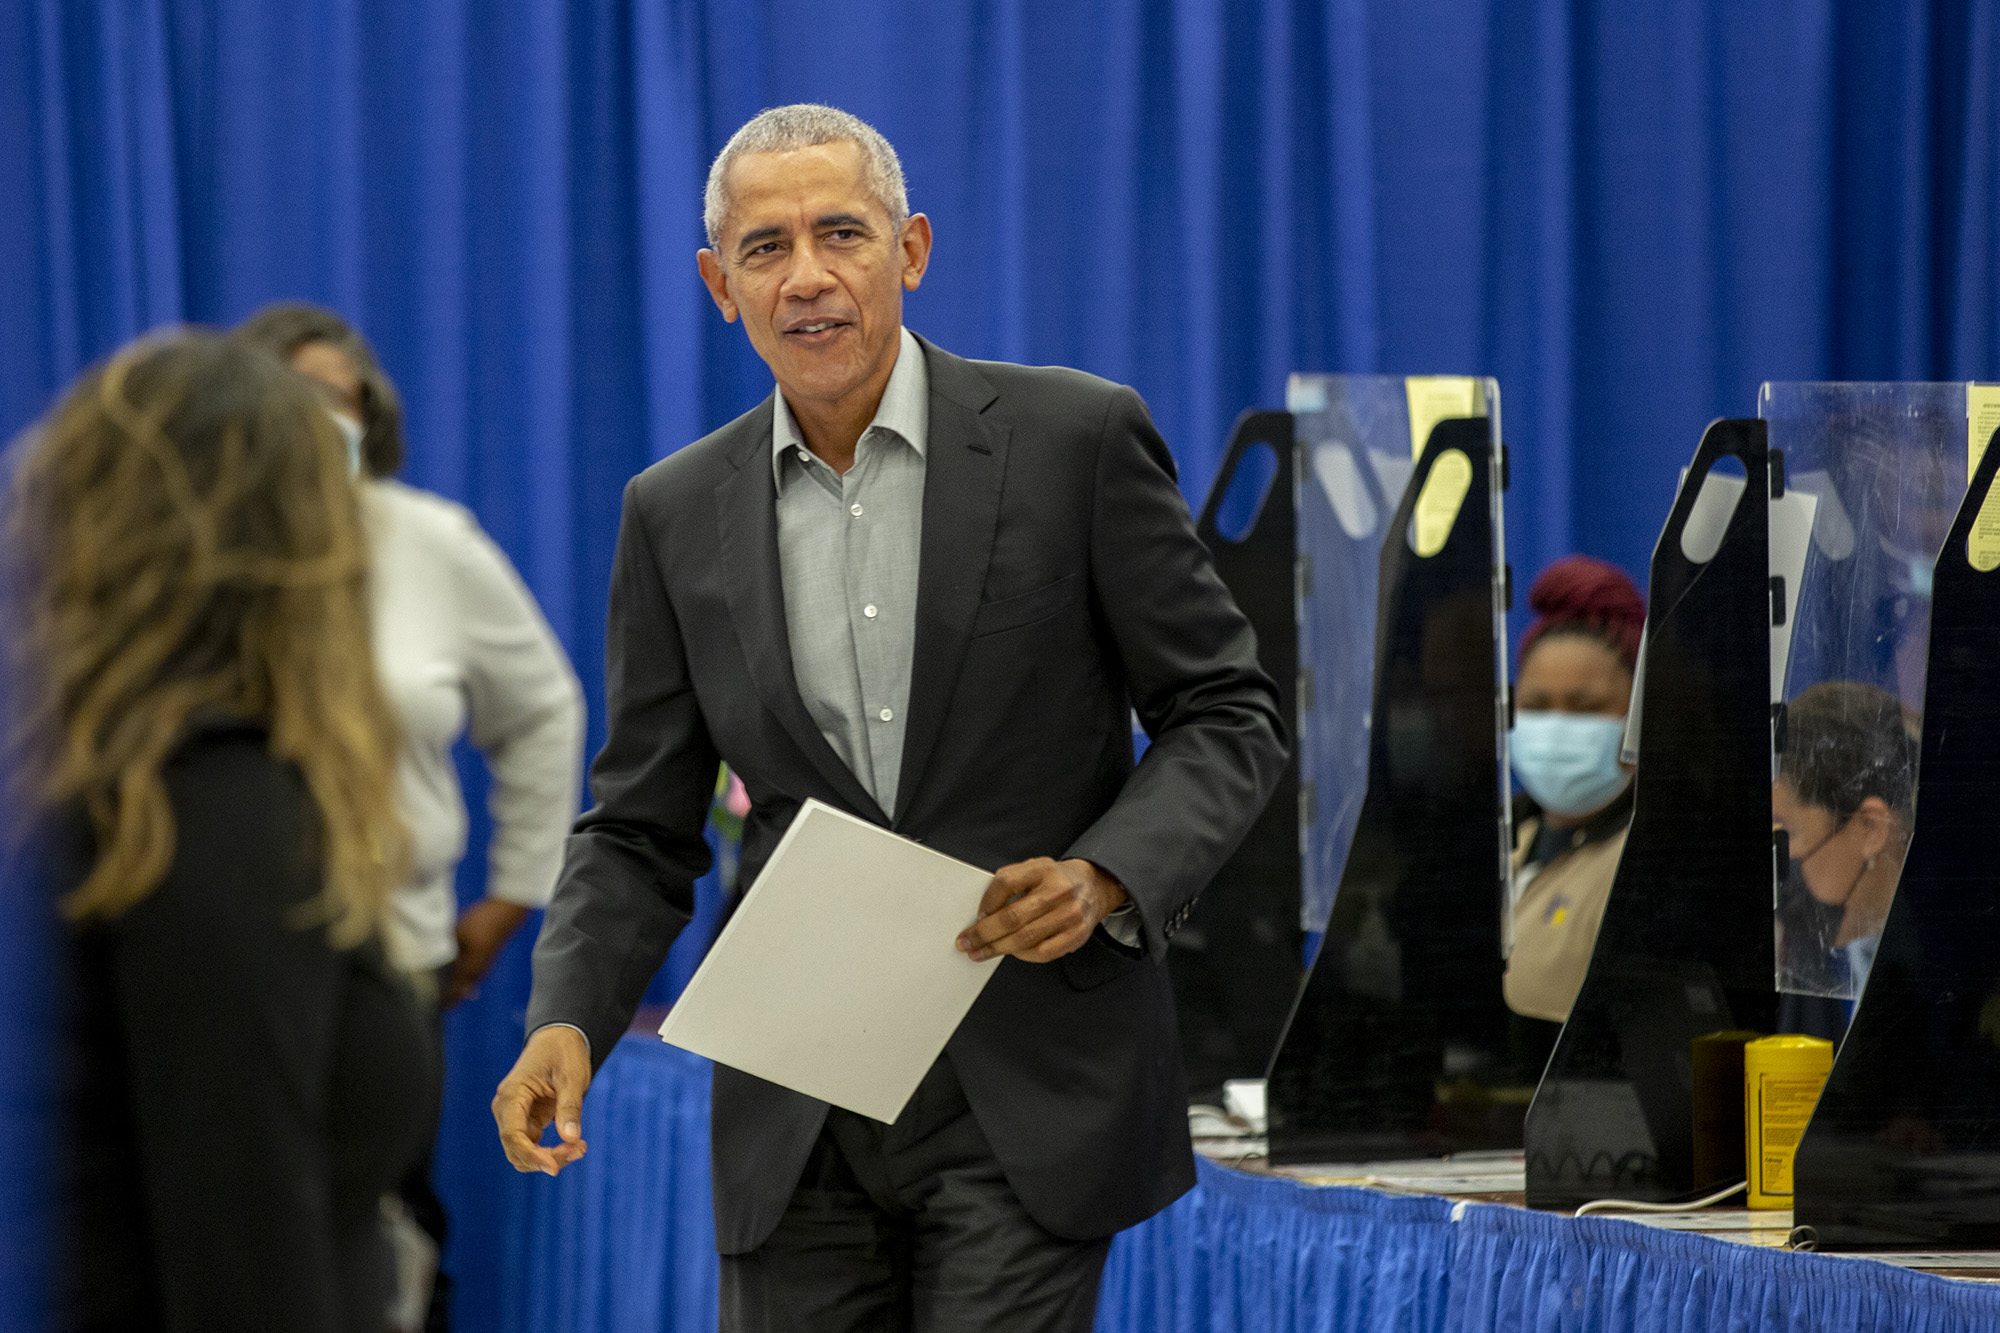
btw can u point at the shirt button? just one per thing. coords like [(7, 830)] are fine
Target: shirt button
[(805, 457), (854, 509), (868, 611), (886, 715)]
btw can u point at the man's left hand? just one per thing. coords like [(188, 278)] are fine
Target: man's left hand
[(483, 930), (1039, 910)]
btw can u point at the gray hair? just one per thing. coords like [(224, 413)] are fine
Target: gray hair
[(785, 129)]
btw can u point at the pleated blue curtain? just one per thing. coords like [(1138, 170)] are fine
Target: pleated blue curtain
[(1244, 1252), (1629, 212), (623, 1247), (1515, 1270)]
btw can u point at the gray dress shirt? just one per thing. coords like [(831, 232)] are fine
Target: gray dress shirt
[(848, 547), (847, 552)]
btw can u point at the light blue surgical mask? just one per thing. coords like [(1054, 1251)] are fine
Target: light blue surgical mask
[(1569, 761), (351, 431)]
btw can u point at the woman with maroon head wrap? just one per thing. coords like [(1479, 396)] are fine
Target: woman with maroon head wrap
[(1572, 690)]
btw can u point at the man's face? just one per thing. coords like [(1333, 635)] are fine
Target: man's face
[(808, 261)]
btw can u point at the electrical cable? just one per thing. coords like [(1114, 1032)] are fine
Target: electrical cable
[(1634, 1206)]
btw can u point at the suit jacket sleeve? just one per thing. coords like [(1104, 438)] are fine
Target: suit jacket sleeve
[(627, 885), (1190, 663)]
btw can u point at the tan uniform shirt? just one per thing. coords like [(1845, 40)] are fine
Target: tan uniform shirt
[(1555, 924)]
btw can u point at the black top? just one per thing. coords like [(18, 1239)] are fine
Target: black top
[(238, 1093)]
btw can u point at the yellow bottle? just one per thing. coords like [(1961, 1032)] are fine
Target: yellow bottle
[(1782, 1078)]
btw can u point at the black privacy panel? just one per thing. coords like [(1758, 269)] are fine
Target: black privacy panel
[(1685, 948), (1399, 1031), (1904, 1149), (1235, 962)]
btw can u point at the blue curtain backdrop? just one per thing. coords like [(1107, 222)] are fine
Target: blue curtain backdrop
[(1631, 211)]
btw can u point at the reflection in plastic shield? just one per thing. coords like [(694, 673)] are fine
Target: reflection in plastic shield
[(1874, 475), (1357, 455)]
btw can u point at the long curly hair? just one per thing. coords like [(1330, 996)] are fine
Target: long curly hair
[(185, 542)]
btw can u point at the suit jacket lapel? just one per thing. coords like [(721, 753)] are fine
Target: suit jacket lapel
[(746, 523), (965, 462)]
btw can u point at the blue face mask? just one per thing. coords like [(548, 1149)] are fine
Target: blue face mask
[(1569, 761)]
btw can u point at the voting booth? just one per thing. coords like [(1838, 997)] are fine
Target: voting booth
[(1874, 477), (1396, 1045), (1685, 948), (1903, 1149), (1821, 641), (1235, 961)]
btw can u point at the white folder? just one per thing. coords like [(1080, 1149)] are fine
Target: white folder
[(839, 975)]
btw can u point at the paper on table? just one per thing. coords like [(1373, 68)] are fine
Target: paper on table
[(1928, 1259), (838, 975), (1720, 1219)]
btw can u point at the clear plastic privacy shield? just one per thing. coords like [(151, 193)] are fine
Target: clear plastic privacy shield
[(1874, 474), (1358, 438)]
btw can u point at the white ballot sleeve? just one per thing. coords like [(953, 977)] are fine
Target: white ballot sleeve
[(839, 976)]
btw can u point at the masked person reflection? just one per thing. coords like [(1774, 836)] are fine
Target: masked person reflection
[(1845, 797), (206, 754), (463, 650), (1572, 690)]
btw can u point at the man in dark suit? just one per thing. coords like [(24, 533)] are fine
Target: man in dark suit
[(931, 592)]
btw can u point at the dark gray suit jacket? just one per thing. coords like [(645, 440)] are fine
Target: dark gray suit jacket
[(1061, 587)]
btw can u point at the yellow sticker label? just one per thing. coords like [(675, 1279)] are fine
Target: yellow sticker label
[(1982, 544), (1433, 398), (1439, 501), (1982, 418)]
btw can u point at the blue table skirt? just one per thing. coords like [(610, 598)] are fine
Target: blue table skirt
[(623, 1241)]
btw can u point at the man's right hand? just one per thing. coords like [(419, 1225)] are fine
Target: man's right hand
[(546, 1084)]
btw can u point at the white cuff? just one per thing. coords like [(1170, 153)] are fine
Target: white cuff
[(1122, 925)]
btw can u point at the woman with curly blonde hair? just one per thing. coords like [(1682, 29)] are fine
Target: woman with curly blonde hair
[(207, 765)]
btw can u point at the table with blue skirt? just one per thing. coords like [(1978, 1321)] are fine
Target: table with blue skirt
[(623, 1241)]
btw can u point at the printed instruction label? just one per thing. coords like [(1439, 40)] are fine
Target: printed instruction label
[(1982, 418), (1784, 1107), (1439, 501), (1432, 399), (1982, 544)]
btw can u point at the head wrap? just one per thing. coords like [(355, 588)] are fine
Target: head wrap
[(1581, 595)]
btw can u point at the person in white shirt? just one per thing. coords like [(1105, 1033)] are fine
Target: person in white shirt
[(463, 650)]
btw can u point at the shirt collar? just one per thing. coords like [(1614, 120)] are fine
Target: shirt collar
[(1549, 843), (905, 408)]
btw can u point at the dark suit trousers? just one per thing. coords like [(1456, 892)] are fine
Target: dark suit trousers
[(910, 1227)]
